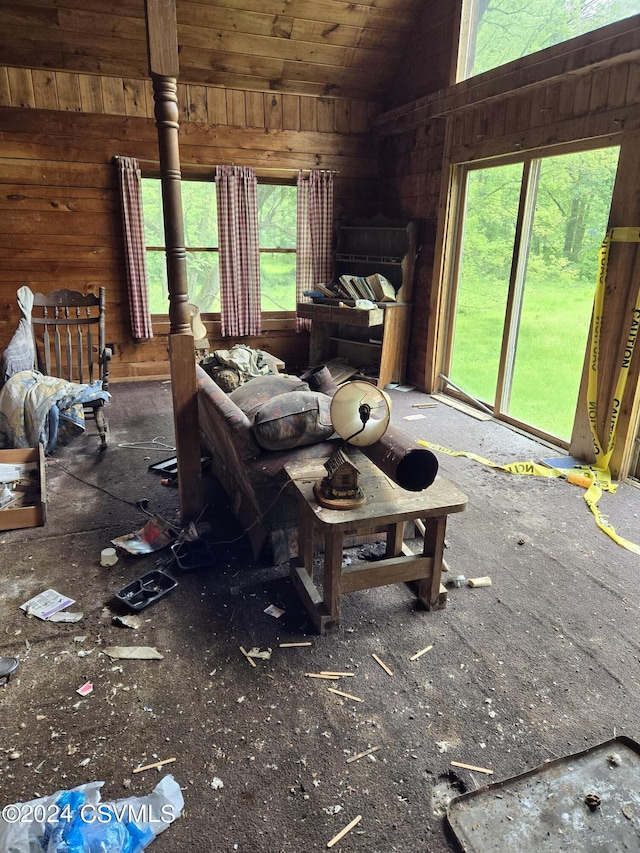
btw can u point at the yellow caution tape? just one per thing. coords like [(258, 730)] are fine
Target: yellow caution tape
[(603, 455), (589, 478), (594, 479)]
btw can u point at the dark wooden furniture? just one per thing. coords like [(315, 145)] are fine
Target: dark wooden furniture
[(387, 509), (377, 338), (69, 332)]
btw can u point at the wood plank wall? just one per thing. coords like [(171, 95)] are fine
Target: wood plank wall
[(430, 56), (58, 187)]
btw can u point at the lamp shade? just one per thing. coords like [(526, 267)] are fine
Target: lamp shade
[(197, 326), (360, 413)]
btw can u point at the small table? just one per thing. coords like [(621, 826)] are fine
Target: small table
[(387, 508)]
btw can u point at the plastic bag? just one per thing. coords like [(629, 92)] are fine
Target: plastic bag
[(76, 821)]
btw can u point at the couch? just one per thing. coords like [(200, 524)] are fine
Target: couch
[(252, 476)]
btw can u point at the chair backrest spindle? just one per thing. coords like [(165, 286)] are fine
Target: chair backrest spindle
[(69, 328)]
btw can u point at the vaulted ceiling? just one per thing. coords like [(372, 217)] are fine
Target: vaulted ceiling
[(313, 47)]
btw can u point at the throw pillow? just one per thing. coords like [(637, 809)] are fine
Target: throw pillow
[(293, 420), (254, 393)]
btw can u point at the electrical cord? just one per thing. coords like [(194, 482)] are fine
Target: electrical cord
[(139, 504)]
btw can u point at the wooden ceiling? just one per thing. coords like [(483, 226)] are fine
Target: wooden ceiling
[(331, 48)]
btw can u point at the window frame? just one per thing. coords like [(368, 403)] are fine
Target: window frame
[(467, 33), (191, 178), (453, 246)]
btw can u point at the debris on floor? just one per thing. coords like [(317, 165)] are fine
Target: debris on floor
[(46, 603), (478, 582), (127, 621), (146, 590), (7, 667), (133, 653)]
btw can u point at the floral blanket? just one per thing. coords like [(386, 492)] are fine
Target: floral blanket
[(37, 408)]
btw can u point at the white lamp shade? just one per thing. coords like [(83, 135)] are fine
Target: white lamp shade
[(197, 326), (346, 415)]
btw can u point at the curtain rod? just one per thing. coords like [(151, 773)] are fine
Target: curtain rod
[(257, 168)]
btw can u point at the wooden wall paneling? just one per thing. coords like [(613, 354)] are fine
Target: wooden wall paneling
[(342, 116), (216, 105), (197, 100), (618, 81), (359, 117), (326, 115), (91, 93), (148, 93), (113, 95), (582, 94), (273, 111), (537, 112), (600, 83), (5, 92), (255, 112), (497, 118), (21, 87), (66, 225), (480, 123), (567, 97), (135, 97), (45, 89), (291, 112), (64, 174), (633, 85), (182, 94), (510, 118), (308, 114), (68, 87), (524, 110), (551, 102), (236, 108)]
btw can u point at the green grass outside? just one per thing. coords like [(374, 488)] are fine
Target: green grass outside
[(553, 335)]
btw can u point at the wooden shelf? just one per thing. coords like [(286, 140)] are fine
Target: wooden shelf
[(366, 247)]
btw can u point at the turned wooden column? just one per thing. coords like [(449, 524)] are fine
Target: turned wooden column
[(162, 40)]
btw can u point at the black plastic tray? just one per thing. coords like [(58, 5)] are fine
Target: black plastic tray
[(146, 590), (545, 809)]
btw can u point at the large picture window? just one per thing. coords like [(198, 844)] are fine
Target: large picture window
[(277, 227), (524, 281), (495, 32)]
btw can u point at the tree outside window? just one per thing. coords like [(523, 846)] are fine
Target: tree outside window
[(500, 31), (277, 229)]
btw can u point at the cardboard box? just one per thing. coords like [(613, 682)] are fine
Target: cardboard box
[(35, 514)]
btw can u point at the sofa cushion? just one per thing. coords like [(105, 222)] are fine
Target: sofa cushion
[(293, 419), (253, 394)]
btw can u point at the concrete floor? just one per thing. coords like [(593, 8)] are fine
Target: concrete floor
[(542, 664)]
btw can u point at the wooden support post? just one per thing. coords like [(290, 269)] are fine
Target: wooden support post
[(162, 41)]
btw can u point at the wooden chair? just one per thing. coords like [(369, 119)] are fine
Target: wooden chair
[(69, 333)]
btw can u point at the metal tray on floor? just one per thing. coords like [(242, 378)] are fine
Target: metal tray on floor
[(146, 590), (545, 808)]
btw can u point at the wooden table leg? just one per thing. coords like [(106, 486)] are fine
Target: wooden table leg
[(429, 588), (395, 538), (332, 589), (305, 538)]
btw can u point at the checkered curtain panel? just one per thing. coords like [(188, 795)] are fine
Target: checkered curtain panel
[(321, 223), (314, 237), (304, 262), (134, 247), (239, 250)]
